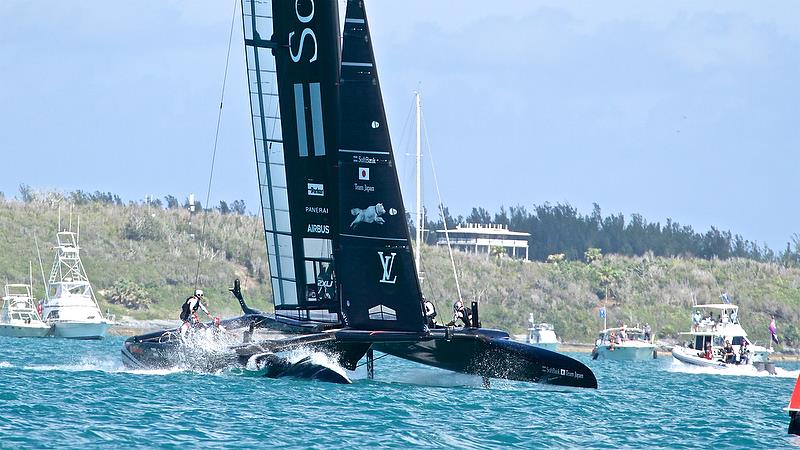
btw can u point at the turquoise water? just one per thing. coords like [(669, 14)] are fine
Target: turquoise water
[(74, 394)]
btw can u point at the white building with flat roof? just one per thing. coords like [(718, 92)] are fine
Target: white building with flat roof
[(481, 238)]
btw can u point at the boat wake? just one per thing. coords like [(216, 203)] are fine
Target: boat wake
[(298, 363), (741, 371), (99, 365), (5, 365)]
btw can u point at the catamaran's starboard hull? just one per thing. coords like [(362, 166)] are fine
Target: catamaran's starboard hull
[(80, 330), (24, 330), (491, 354)]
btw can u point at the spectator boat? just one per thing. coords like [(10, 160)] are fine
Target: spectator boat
[(542, 335), (624, 344), (70, 307), (712, 326), (19, 317)]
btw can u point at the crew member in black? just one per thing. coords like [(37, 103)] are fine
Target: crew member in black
[(462, 313), (189, 311), (430, 312)]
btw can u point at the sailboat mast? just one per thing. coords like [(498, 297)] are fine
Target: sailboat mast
[(419, 191)]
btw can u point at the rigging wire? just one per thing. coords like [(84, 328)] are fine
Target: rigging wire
[(214, 153), (441, 205), (406, 174)]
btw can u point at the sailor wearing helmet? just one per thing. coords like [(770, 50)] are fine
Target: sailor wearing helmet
[(461, 313), (189, 310)]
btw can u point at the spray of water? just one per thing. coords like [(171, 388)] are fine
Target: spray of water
[(741, 371)]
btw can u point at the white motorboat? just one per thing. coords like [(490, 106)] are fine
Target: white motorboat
[(19, 317), (542, 335), (710, 334), (623, 344), (71, 307)]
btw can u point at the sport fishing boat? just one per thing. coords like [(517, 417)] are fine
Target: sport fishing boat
[(70, 306), (342, 268), (623, 344), (19, 317), (542, 335), (713, 326)]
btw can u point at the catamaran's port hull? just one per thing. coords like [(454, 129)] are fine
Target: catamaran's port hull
[(80, 330), (25, 330)]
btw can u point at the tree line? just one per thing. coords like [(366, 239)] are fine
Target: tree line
[(80, 197), (562, 229)]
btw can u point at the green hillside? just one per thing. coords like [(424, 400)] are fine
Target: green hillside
[(656, 290), (142, 262)]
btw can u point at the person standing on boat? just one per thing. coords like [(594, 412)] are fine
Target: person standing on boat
[(773, 331), (189, 311), (647, 330)]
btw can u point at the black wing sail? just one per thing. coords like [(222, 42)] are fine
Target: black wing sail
[(293, 69), (378, 283)]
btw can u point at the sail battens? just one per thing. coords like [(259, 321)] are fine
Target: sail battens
[(367, 152), (357, 236), (259, 43)]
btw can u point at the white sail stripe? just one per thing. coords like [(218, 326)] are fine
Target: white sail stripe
[(369, 152), (356, 64), (300, 112), (316, 119), (353, 20), (283, 279), (373, 237)]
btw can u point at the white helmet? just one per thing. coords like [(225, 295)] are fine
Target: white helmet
[(198, 292)]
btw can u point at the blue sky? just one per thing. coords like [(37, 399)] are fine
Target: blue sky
[(679, 109)]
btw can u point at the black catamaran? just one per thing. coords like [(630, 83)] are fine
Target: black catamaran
[(342, 269)]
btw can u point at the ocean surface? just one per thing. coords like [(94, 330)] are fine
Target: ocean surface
[(77, 394)]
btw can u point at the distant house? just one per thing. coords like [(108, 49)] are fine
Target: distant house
[(480, 238)]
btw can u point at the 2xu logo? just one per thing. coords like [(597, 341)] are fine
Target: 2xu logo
[(305, 34), (387, 262)]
